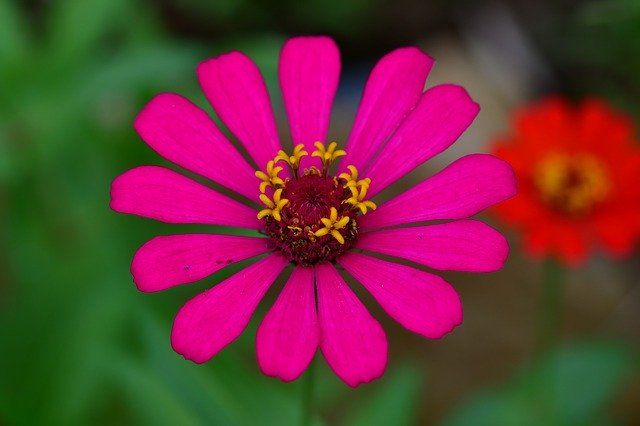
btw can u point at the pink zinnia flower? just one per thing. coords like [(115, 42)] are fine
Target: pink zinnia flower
[(310, 217)]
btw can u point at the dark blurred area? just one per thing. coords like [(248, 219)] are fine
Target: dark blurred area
[(80, 345)]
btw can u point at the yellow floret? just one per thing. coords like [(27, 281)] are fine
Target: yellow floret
[(292, 160), (358, 193), (353, 176), (270, 178), (327, 155), (274, 207), (332, 224)]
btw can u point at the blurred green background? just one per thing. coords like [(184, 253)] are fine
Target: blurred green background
[(80, 346)]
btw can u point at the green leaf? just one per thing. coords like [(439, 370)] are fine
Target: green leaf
[(12, 35), (203, 396), (263, 400), (151, 400), (227, 390), (573, 385), (75, 26), (155, 65), (395, 400)]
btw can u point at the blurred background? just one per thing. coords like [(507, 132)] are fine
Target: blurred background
[(79, 345)]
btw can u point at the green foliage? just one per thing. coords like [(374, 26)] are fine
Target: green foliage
[(62, 140), (572, 386), (12, 38), (70, 311), (394, 401), (227, 393), (595, 49)]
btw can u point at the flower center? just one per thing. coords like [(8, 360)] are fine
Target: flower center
[(312, 216), (572, 184)]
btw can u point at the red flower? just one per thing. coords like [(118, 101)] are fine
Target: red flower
[(578, 171)]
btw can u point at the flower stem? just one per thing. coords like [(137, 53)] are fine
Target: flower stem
[(551, 296), (308, 394)]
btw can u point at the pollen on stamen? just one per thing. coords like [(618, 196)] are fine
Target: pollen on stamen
[(313, 216)]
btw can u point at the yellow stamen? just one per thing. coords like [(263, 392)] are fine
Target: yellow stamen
[(274, 207), (354, 183), (572, 184), (270, 178), (350, 177), (292, 160), (332, 225), (358, 193), (327, 155), (361, 183)]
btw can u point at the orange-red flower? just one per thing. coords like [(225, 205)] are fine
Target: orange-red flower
[(578, 170)]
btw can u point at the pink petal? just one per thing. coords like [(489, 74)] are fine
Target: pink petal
[(234, 86), (464, 188), (423, 303), (213, 319), (392, 91), (167, 261), (162, 194), (351, 340), (184, 134), (442, 115), (288, 337), (465, 245), (309, 71)]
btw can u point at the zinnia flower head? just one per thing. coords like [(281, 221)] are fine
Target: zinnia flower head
[(578, 169), (314, 207)]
